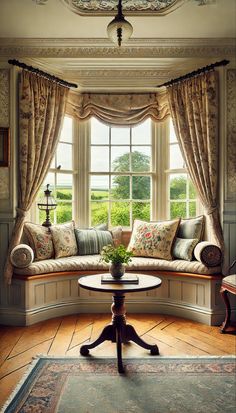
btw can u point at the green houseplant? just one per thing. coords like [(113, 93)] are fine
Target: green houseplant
[(117, 256)]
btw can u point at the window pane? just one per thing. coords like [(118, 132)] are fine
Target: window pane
[(66, 132), (120, 136), (176, 159), (99, 159), (141, 187), (120, 214), (99, 188), (64, 212), (99, 133), (120, 187), (141, 134), (140, 159), (192, 191), (120, 159), (99, 213), (141, 210), (178, 209), (192, 209), (64, 156), (172, 133), (64, 186), (178, 186)]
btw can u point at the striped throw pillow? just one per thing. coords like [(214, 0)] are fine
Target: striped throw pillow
[(91, 241)]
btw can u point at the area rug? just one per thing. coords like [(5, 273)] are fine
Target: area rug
[(151, 385)]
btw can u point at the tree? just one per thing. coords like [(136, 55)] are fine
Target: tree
[(140, 184)]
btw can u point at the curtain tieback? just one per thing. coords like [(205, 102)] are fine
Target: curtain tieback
[(211, 211), (21, 212)]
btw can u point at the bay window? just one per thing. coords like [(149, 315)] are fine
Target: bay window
[(107, 174)]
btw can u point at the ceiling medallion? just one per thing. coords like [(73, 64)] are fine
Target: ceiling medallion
[(130, 7)]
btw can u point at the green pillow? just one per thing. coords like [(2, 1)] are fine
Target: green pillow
[(191, 228), (91, 241), (183, 248)]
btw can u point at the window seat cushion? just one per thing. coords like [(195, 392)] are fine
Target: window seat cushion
[(93, 263)]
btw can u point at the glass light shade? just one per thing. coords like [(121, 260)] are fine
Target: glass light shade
[(47, 202), (119, 30)]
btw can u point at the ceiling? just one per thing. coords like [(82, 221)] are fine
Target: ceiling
[(54, 38)]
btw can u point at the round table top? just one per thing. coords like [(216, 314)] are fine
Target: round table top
[(93, 282)]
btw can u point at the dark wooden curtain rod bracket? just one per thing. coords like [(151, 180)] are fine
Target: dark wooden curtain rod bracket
[(42, 73), (195, 72)]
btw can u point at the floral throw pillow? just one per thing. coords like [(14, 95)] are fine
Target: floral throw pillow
[(64, 240), (40, 240), (153, 239)]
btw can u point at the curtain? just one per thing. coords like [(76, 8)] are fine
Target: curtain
[(118, 109), (194, 111), (41, 111)]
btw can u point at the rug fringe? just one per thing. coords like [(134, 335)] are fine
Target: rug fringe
[(31, 366)]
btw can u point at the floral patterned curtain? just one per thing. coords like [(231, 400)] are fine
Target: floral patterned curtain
[(118, 109), (41, 111), (194, 111)]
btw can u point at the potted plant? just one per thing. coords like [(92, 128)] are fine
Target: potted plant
[(117, 256)]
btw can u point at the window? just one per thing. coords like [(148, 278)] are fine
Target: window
[(108, 174), (182, 194), (60, 177), (120, 173)]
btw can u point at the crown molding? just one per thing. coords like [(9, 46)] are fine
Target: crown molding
[(94, 48), (130, 7)]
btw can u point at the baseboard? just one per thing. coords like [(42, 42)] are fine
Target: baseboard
[(18, 317)]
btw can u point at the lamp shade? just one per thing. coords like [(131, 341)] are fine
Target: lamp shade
[(119, 30)]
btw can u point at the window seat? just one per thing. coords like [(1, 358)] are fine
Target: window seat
[(49, 288)]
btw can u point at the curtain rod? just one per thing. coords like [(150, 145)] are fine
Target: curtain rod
[(42, 73), (195, 72)]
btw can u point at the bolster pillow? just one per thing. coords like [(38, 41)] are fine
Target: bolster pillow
[(208, 254), (22, 256)]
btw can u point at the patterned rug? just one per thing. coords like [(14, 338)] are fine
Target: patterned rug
[(151, 385)]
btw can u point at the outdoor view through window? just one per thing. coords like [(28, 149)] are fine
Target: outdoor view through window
[(123, 175)]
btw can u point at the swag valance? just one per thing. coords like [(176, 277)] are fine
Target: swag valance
[(118, 109)]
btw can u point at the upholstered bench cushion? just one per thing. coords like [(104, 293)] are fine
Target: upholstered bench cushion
[(93, 263), (230, 280)]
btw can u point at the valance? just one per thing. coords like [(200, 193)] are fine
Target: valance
[(118, 109)]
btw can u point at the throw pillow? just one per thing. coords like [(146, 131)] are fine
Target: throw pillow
[(183, 248), (64, 240), (116, 234), (153, 239), (40, 240), (91, 241), (22, 256), (208, 253), (191, 228)]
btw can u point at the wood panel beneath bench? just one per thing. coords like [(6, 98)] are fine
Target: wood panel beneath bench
[(35, 298)]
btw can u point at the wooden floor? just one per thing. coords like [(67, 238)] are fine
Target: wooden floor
[(64, 335)]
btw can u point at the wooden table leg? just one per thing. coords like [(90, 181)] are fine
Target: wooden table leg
[(108, 333), (120, 332), (133, 336)]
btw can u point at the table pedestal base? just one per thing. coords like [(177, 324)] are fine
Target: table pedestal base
[(119, 332)]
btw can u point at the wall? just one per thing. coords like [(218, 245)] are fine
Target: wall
[(229, 170)]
